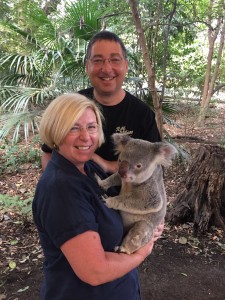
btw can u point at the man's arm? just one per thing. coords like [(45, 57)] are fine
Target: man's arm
[(107, 166), (46, 156)]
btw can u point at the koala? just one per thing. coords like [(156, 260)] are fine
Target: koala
[(142, 199)]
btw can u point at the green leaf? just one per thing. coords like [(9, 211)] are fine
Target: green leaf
[(14, 242)]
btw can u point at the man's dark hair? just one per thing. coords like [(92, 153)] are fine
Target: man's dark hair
[(105, 35)]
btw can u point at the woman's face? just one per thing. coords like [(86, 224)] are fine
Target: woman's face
[(80, 143)]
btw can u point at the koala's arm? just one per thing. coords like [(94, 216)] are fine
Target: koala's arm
[(113, 180), (133, 205)]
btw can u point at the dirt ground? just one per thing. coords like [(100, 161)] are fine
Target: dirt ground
[(181, 266)]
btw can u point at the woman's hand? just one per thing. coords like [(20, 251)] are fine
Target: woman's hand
[(145, 250)]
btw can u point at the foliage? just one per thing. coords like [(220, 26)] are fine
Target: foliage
[(43, 50), (21, 206), (49, 61), (14, 156)]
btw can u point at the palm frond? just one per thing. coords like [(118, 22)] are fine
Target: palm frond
[(24, 70), (40, 25), (19, 123), (21, 99), (82, 18), (49, 61), (168, 107), (12, 27)]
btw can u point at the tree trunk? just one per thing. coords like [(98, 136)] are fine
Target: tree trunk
[(166, 34), (148, 65), (214, 75), (211, 75), (202, 200)]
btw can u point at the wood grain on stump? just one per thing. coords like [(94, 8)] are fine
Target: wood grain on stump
[(202, 200)]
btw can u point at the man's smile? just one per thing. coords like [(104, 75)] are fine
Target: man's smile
[(107, 78)]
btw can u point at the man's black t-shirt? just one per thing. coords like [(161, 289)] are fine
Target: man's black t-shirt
[(131, 116)]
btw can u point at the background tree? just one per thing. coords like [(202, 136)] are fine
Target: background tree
[(216, 30), (45, 50), (167, 20), (148, 63)]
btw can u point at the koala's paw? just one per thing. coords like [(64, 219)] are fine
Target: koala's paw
[(108, 201)]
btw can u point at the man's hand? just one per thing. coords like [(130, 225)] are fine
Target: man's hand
[(158, 231), (108, 166)]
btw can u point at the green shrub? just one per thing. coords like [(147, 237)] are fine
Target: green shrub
[(14, 202), (14, 156)]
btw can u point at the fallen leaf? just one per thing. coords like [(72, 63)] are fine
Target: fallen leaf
[(186, 226), (24, 259), (23, 290), (183, 240), (12, 264)]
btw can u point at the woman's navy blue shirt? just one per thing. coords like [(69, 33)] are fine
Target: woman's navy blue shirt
[(68, 203)]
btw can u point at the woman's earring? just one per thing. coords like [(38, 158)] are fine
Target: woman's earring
[(55, 147)]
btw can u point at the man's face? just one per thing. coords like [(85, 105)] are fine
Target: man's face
[(106, 76)]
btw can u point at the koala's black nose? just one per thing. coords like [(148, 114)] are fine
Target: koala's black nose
[(123, 168)]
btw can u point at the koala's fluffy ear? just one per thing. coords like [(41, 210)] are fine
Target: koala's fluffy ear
[(166, 153), (120, 140)]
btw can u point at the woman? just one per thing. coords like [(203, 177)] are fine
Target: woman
[(77, 231)]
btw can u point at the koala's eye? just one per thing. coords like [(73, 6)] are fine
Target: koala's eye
[(119, 160), (138, 166)]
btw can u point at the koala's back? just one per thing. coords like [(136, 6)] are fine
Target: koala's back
[(147, 196)]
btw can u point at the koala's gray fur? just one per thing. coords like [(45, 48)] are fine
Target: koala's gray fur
[(142, 199)]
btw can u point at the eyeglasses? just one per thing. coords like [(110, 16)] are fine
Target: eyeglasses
[(99, 62), (91, 128)]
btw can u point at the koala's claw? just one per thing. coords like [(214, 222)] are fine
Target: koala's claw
[(104, 198), (119, 249), (107, 201)]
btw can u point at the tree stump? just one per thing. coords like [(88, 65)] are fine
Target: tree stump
[(202, 201)]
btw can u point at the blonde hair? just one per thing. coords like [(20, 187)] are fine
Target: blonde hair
[(61, 114)]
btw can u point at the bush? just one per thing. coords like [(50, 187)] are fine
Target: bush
[(14, 156), (15, 203)]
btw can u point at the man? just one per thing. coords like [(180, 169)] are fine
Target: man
[(106, 67)]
